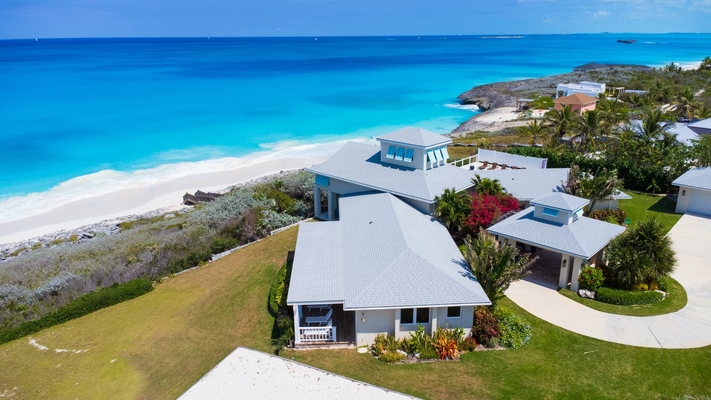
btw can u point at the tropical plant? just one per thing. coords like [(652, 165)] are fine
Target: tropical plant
[(590, 130), (446, 348), (485, 325), (452, 208), (591, 278), (701, 151), (686, 105), (486, 209), (561, 120), (705, 64), (488, 186), (495, 267), (514, 330), (643, 254), (595, 188), (542, 102), (613, 113), (534, 130)]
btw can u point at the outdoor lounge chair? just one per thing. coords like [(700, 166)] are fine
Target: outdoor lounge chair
[(321, 319), (504, 166), (493, 167), (483, 166)]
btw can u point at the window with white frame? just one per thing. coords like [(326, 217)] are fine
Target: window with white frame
[(408, 155), (391, 152), (550, 212), (400, 153)]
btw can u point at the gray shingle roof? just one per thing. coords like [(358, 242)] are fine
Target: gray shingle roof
[(527, 184), (416, 137), (391, 256), (582, 238), (560, 201), (702, 127), (698, 178), (360, 164)]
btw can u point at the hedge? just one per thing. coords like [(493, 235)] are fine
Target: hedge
[(81, 306), (627, 298)]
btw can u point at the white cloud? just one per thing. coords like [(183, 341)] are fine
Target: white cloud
[(601, 14)]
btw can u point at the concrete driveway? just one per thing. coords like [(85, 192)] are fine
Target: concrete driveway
[(689, 327)]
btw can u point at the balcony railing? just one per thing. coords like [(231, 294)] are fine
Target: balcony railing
[(318, 334)]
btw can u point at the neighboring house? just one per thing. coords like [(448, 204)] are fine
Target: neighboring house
[(682, 131), (410, 163), (555, 222), (592, 89), (527, 184), (694, 191), (579, 103), (384, 267), (702, 127)]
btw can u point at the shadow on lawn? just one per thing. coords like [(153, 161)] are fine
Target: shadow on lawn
[(665, 206)]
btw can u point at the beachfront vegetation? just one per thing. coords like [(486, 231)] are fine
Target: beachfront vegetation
[(43, 280), (452, 208), (598, 186), (495, 267)]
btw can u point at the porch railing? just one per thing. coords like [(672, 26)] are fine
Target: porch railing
[(318, 334), (463, 161)]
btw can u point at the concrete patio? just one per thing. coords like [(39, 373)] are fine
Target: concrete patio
[(689, 327)]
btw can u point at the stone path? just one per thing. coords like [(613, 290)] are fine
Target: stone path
[(689, 327)]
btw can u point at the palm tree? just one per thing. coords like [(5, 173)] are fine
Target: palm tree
[(686, 105), (643, 254), (488, 186), (703, 112), (495, 267), (654, 123), (595, 188), (452, 208), (591, 130), (533, 130), (613, 113), (561, 120)]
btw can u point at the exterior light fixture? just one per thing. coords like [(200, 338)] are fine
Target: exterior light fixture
[(683, 192), (362, 317), (565, 263)]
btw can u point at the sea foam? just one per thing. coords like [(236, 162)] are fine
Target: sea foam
[(112, 181)]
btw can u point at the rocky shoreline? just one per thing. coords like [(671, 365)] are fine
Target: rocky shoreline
[(504, 94), (68, 237)]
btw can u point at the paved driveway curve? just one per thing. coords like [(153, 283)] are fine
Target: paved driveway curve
[(689, 327)]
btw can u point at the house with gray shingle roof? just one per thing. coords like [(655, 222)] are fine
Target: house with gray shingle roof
[(383, 267), (409, 163), (694, 191), (555, 222)]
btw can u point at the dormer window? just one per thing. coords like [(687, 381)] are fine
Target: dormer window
[(550, 212), (438, 155), (409, 154), (445, 154), (391, 152), (431, 156), (400, 153)]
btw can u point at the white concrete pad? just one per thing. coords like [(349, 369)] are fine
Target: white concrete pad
[(251, 374), (689, 327)]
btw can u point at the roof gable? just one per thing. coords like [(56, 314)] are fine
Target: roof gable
[(560, 201), (698, 178), (415, 137), (577, 99)]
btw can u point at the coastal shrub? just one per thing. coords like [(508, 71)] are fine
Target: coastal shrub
[(468, 344), (428, 352), (279, 290), (285, 327), (622, 297), (485, 325), (618, 216), (446, 348), (384, 343), (84, 305), (392, 357), (591, 278), (485, 209), (514, 330), (41, 281)]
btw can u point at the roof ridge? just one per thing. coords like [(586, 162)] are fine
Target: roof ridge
[(374, 280)]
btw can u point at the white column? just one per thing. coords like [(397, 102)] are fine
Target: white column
[(297, 319), (397, 323), (564, 268), (577, 263), (433, 319)]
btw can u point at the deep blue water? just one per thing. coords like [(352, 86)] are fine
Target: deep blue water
[(74, 107)]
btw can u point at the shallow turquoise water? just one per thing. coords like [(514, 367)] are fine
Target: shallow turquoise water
[(74, 107)]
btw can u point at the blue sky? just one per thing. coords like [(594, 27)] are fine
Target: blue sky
[(108, 18)]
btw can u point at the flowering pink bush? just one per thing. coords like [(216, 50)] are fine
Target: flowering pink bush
[(486, 208)]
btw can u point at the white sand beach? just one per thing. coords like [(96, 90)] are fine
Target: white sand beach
[(141, 199), (500, 114)]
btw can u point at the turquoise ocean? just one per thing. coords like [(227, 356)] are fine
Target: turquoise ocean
[(86, 114)]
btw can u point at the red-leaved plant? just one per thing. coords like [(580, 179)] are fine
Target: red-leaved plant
[(485, 209)]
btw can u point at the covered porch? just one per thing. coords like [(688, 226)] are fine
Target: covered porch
[(323, 324)]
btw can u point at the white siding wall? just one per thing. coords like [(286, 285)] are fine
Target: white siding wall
[(418, 160), (695, 200), (376, 321), (563, 217)]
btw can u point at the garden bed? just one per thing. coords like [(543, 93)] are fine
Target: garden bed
[(674, 301)]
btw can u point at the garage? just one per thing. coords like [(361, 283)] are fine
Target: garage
[(694, 191)]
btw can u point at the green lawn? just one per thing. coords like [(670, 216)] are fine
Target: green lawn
[(675, 300), (158, 345), (645, 205)]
